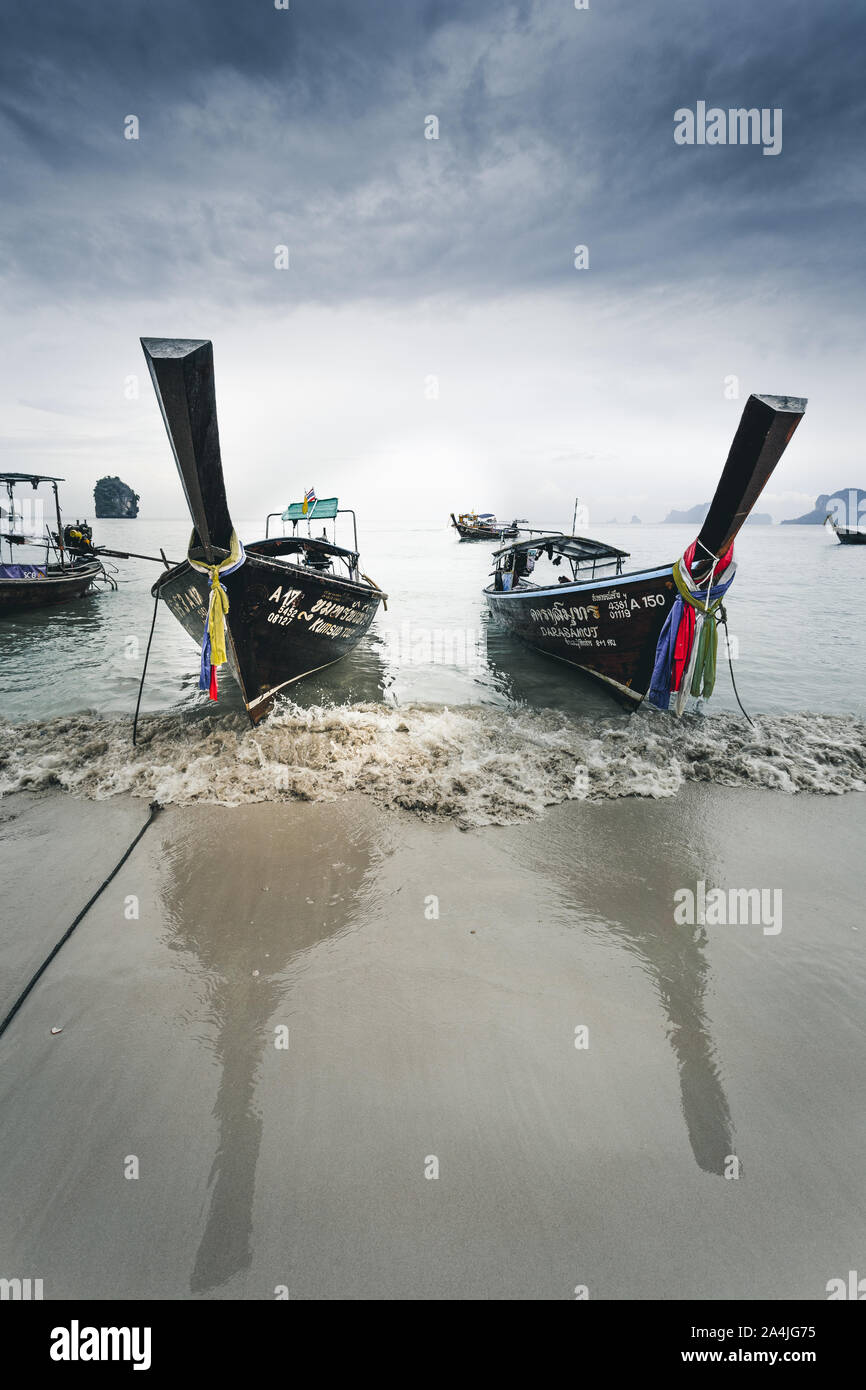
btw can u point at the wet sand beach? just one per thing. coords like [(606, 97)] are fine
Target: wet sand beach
[(415, 1037)]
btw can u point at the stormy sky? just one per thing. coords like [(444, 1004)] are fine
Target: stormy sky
[(431, 344)]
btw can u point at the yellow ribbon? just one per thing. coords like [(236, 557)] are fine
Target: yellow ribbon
[(216, 619), (218, 604)]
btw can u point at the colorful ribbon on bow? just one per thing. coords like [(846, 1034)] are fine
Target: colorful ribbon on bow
[(213, 644), (685, 659)]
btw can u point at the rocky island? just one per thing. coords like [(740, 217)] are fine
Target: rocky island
[(847, 501), (698, 513), (114, 498)]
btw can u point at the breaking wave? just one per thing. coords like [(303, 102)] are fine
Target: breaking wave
[(471, 764)]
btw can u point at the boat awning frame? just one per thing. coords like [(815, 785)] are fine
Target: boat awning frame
[(288, 544), (577, 548), (33, 478), (323, 509)]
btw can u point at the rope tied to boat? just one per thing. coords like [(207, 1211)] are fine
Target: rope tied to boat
[(379, 589), (723, 619), (213, 643)]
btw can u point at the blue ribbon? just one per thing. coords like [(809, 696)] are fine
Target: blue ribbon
[(204, 675)]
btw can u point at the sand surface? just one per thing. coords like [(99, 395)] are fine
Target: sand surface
[(413, 1037)]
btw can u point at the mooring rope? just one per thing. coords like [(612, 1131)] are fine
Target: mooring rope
[(723, 617), (155, 808), (144, 667), (378, 589)]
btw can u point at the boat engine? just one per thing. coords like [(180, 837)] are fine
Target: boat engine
[(78, 538)]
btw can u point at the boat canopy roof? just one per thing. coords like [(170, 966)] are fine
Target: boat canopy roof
[(573, 547), (288, 543), (34, 478), (323, 509)]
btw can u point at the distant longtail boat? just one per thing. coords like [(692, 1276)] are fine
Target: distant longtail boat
[(66, 572), (846, 535), (470, 526)]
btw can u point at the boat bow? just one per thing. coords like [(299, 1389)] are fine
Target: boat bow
[(763, 434), (182, 373)]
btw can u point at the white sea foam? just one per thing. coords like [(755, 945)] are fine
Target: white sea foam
[(471, 764)]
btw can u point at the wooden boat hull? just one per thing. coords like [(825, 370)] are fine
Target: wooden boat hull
[(56, 585), (483, 533), (846, 536), (487, 535), (283, 623), (606, 627), (285, 620), (610, 627)]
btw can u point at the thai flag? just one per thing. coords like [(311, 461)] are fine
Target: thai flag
[(309, 499)]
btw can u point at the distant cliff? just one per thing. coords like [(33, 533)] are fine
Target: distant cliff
[(696, 514), (848, 504), (114, 499)]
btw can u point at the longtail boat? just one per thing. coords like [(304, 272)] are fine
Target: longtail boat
[(649, 633), (275, 609), (62, 574), (472, 526), (846, 535)]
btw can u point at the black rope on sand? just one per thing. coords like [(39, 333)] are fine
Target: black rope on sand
[(724, 618), (155, 808), (144, 668)]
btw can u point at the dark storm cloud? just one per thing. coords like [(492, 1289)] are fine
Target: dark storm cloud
[(261, 127)]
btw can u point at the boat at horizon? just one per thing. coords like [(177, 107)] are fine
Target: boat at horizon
[(483, 526), (285, 605), (846, 535), (650, 632)]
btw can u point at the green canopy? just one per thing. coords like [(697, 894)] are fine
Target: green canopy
[(325, 509)]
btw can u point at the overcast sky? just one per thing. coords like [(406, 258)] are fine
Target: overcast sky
[(412, 259)]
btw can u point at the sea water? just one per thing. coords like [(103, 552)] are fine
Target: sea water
[(438, 709)]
